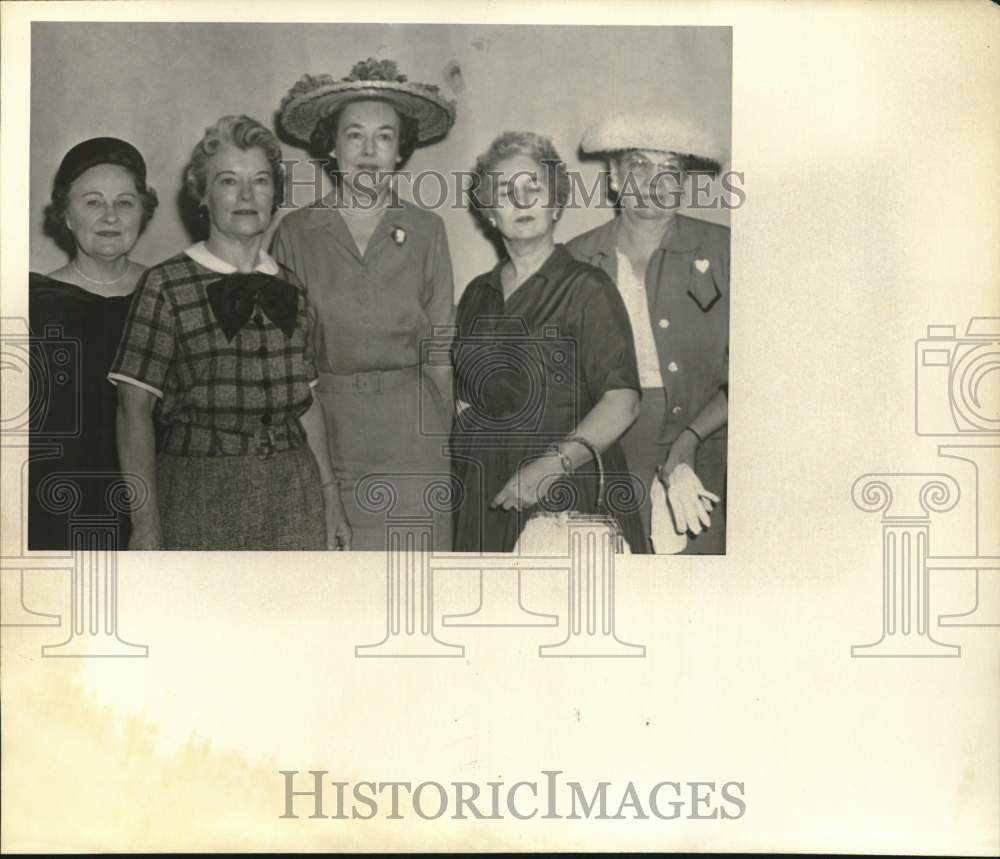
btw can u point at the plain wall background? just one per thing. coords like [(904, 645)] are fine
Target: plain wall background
[(159, 85)]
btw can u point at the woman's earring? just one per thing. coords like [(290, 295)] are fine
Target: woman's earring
[(203, 211), (492, 222), (555, 215)]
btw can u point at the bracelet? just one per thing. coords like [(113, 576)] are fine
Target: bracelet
[(694, 433), (330, 483), (564, 460)]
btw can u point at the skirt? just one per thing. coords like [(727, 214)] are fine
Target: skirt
[(240, 503), (388, 437)]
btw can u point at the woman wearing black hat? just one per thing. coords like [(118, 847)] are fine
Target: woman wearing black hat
[(100, 206)]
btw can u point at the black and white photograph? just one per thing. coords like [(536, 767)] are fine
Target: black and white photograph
[(372, 477), (493, 309)]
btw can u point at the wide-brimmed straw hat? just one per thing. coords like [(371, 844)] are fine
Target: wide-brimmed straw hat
[(656, 130), (317, 96)]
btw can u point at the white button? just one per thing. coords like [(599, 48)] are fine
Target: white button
[(676, 410), (664, 323), (672, 367)]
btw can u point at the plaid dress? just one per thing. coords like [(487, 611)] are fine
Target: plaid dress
[(234, 470)]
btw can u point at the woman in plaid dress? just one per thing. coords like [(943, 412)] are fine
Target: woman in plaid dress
[(220, 338)]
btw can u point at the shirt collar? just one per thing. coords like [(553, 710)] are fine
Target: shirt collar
[(680, 237), (203, 256), (551, 269), (325, 213)]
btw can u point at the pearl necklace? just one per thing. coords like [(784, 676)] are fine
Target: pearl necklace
[(79, 271)]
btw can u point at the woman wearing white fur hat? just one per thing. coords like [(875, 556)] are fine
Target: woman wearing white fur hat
[(673, 273)]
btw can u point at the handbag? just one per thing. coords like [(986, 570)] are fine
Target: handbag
[(547, 532)]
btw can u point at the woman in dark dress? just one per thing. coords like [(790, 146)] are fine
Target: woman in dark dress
[(543, 354), (100, 206)]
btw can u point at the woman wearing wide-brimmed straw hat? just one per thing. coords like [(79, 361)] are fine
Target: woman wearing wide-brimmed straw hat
[(673, 272), (378, 271)]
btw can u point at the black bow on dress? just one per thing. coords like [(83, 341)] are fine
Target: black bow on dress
[(233, 298)]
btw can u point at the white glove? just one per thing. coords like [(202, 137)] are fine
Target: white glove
[(690, 502), (666, 539)]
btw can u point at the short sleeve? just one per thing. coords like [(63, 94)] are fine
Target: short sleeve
[(607, 348), (148, 340), (441, 309)]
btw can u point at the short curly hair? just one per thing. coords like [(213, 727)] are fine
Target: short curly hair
[(55, 211), (243, 132), (324, 136), (538, 148)]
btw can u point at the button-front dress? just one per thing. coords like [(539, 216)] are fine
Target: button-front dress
[(382, 315), (530, 367)]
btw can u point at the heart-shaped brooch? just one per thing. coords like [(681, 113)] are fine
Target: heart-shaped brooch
[(701, 265)]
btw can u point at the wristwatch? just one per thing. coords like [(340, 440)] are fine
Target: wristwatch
[(564, 460)]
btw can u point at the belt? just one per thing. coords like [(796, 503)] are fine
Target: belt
[(192, 440), (374, 382)]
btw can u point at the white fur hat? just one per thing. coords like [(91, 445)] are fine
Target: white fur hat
[(653, 130)]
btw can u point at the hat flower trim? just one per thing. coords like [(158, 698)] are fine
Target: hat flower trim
[(305, 85), (383, 70), (386, 71), (375, 70)]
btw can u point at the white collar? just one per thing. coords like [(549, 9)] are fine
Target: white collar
[(203, 256)]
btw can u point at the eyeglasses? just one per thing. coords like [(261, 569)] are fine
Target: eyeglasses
[(639, 164)]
